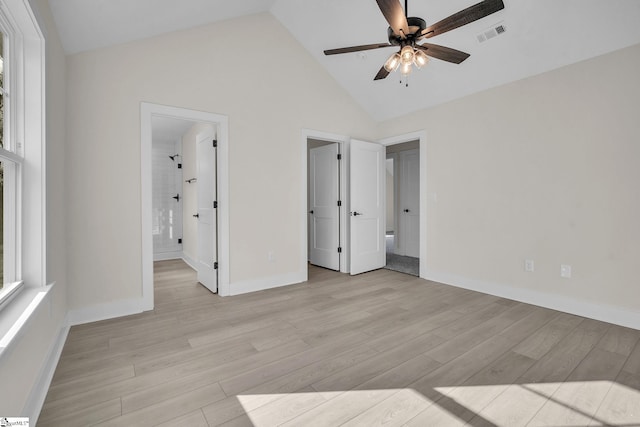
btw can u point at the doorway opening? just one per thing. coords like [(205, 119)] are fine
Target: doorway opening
[(403, 207), (176, 129), (184, 216), (325, 234), (167, 192), (324, 202)]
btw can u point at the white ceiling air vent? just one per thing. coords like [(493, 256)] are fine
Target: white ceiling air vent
[(492, 32)]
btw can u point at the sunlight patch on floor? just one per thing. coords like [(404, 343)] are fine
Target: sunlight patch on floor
[(534, 404), (358, 406), (559, 404)]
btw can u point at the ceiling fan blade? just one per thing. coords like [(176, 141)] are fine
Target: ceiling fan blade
[(464, 17), (443, 53), (393, 13), (356, 48), (383, 73)]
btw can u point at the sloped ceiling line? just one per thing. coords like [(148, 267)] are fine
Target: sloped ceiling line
[(542, 35)]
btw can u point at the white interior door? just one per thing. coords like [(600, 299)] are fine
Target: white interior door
[(367, 204), (207, 221), (324, 212), (409, 243)]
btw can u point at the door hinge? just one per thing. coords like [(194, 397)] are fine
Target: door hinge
[(215, 204), (339, 249), (215, 143), (179, 241), (215, 265), (339, 202), (339, 156)]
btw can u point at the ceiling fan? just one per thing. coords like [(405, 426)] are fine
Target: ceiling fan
[(406, 32)]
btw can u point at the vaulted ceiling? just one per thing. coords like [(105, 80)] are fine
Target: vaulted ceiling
[(540, 35)]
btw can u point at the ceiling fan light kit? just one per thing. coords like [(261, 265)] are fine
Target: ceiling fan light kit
[(405, 32)]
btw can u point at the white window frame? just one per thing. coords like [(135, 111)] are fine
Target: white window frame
[(24, 141), (12, 161)]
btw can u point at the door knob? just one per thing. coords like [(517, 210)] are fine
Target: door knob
[(356, 213), (196, 216), (311, 212), (406, 210), (177, 197)]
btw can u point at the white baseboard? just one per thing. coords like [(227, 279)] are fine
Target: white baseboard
[(190, 261), (165, 256), (606, 313), (246, 286), (34, 403), (110, 310)]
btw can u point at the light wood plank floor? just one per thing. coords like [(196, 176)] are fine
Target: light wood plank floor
[(378, 348)]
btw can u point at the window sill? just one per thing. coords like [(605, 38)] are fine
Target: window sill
[(15, 316), (9, 292)]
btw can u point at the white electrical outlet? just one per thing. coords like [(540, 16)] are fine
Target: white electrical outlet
[(271, 256), (529, 265), (565, 271)]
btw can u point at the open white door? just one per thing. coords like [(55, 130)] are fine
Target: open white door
[(367, 185), (409, 215), (324, 212), (207, 220)]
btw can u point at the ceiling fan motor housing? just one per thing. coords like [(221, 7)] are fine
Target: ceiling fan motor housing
[(416, 25)]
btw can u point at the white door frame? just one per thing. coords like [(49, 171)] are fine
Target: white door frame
[(147, 111), (421, 136), (304, 243)]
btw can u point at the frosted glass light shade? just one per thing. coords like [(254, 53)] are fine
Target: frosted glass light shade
[(420, 59), (407, 54), (392, 63), (406, 68)]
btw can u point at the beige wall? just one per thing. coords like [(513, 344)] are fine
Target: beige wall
[(544, 168), (268, 101), (22, 364), (56, 178)]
